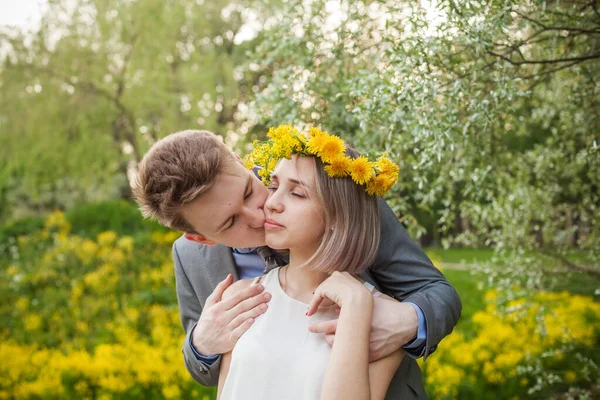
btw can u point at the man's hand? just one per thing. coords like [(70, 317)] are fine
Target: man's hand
[(222, 322), (394, 324)]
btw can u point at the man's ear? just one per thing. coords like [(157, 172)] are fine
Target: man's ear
[(238, 158), (194, 237)]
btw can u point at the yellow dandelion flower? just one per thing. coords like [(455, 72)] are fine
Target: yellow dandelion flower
[(361, 170), (376, 186), (314, 131), (332, 148), (339, 167), (386, 166), (316, 142), (384, 183)]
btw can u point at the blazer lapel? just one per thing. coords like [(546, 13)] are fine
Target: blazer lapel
[(220, 262)]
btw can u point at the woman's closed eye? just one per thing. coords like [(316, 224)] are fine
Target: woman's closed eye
[(273, 189)]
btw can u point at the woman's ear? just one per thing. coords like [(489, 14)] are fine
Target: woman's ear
[(194, 237)]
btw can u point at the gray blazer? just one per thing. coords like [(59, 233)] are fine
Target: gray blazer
[(401, 270)]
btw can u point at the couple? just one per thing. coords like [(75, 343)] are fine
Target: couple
[(329, 229)]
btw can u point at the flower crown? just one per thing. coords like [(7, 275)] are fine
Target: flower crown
[(376, 176)]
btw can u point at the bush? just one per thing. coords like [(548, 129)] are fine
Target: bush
[(21, 226), (108, 325), (114, 215)]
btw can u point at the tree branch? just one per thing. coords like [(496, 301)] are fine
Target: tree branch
[(570, 265), (545, 73), (554, 61), (595, 30)]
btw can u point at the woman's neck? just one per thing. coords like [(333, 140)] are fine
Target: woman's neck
[(299, 280)]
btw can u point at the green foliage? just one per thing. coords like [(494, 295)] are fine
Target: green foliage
[(19, 227), (495, 150), (85, 96), (114, 215)]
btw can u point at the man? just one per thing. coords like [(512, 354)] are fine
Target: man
[(190, 181)]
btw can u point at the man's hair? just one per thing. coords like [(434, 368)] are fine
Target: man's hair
[(177, 170), (352, 224)]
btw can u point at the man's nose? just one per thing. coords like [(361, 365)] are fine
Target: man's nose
[(256, 217)]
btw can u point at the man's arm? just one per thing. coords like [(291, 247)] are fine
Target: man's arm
[(189, 312), (214, 327), (405, 272)]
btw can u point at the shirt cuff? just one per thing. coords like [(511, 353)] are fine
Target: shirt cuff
[(415, 347), (208, 360)]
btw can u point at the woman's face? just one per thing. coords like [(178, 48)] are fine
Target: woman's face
[(295, 219)]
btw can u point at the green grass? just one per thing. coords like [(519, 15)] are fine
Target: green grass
[(557, 278), (461, 255), (575, 282), (471, 297)]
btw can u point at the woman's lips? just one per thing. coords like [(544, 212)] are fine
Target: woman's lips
[(271, 224)]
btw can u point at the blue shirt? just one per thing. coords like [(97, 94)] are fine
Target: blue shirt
[(250, 265)]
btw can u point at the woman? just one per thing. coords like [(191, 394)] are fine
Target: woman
[(323, 209)]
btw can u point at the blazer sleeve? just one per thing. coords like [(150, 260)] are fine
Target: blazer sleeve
[(189, 312), (403, 270)]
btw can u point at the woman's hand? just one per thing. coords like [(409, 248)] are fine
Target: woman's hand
[(341, 288)]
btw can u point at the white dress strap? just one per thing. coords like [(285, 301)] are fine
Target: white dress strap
[(255, 280)]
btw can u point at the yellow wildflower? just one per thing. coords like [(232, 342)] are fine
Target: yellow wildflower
[(361, 170), (281, 131), (299, 142), (339, 167), (380, 184), (314, 131), (126, 243), (32, 322), (106, 238), (386, 166), (570, 376), (248, 162), (316, 142), (272, 164), (332, 148)]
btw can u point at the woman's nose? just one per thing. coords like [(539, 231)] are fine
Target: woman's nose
[(273, 203)]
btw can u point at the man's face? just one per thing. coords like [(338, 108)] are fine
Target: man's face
[(231, 212)]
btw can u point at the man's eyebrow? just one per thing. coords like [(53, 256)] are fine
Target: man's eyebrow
[(294, 181), (221, 226)]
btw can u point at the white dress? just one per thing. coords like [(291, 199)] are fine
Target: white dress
[(278, 358)]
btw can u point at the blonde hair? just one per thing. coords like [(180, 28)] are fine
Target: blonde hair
[(352, 224), (177, 170)]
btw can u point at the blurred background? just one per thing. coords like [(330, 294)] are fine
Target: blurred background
[(492, 110)]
